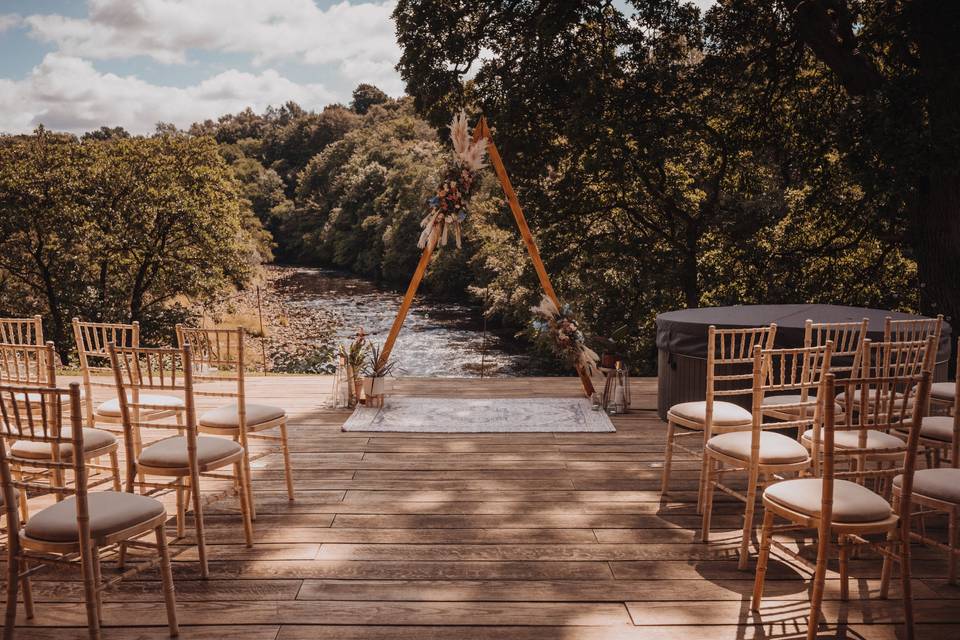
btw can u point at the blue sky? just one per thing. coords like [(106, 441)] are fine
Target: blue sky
[(76, 65)]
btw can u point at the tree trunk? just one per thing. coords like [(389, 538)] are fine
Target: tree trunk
[(936, 241), (689, 270)]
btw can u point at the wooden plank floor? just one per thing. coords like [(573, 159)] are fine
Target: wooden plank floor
[(527, 536)]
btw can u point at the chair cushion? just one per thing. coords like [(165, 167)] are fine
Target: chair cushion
[(227, 417), (941, 484), (172, 452), (937, 428), (851, 502), (943, 390), (775, 448), (851, 440), (35, 397), (111, 408), (110, 512), (93, 439), (724, 413), (871, 398)]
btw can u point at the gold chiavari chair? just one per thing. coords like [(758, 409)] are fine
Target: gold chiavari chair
[(729, 355), (92, 339), (34, 368), (183, 456), (83, 526), (762, 454), (847, 339), (22, 330), (937, 490), (838, 504), (218, 360)]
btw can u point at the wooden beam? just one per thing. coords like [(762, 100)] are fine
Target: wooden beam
[(483, 131), (408, 298)]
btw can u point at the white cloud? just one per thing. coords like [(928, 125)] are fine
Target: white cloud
[(269, 30), (8, 21), (67, 93)]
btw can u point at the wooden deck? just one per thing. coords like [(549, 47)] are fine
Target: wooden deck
[(525, 536)]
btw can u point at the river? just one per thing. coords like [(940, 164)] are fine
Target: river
[(437, 339)]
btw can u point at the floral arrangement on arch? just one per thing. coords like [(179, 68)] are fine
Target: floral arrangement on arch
[(568, 340), (448, 208)]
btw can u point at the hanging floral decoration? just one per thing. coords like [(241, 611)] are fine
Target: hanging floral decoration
[(448, 208), (568, 340)]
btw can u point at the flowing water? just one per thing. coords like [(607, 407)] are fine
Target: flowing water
[(437, 338)]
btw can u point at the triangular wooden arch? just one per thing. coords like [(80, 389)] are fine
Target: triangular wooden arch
[(482, 131)]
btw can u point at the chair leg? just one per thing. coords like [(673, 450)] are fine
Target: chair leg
[(97, 580), (667, 461), (702, 479), (122, 556), (90, 592), (244, 505), (747, 524), (762, 559), (248, 482), (844, 543), (954, 543), (902, 534), (288, 470), (708, 493), (166, 575), (115, 466), (13, 572), (887, 568), (198, 524), (24, 505), (181, 508), (816, 598), (27, 592)]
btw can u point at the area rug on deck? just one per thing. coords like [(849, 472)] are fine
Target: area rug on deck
[(473, 415)]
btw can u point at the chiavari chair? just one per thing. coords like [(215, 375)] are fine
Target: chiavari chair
[(182, 457), (83, 526), (28, 331), (760, 453), (837, 504), (729, 357), (218, 359)]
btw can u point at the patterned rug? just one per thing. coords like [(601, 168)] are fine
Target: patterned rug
[(487, 415)]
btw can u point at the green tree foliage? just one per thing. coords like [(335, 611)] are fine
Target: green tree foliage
[(664, 158), (365, 96), (119, 228)]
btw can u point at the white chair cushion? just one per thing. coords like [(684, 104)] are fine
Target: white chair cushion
[(172, 452), (940, 484), (871, 398), (851, 440), (725, 414), (35, 397), (943, 390), (851, 502), (227, 417), (110, 512), (93, 439), (111, 408), (775, 448), (937, 428)]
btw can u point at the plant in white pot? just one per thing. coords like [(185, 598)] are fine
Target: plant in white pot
[(375, 370)]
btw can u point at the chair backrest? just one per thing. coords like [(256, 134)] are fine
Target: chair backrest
[(955, 449), (92, 339), (22, 330), (781, 372), (911, 330), (730, 359), (41, 421), (847, 339), (898, 359), (874, 414), (218, 361), (28, 365), (137, 369)]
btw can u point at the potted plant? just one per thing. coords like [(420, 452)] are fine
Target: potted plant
[(355, 358), (375, 370)]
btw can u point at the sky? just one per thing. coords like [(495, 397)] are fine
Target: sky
[(76, 65)]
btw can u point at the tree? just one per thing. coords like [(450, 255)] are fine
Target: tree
[(365, 96), (119, 229), (897, 62)]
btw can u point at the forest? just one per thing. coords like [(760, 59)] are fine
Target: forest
[(665, 158)]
